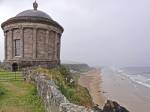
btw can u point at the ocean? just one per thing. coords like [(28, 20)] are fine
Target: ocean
[(130, 86), (140, 75)]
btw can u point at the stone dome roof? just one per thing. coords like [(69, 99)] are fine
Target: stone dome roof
[(34, 13)]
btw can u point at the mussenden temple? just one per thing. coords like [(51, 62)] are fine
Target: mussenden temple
[(32, 38)]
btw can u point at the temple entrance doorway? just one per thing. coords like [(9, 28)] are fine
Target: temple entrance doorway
[(15, 67)]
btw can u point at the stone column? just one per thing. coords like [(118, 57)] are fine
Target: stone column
[(21, 43), (55, 47), (59, 47), (47, 44), (34, 43), (12, 44), (5, 39)]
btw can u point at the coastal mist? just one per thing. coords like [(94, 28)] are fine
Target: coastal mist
[(130, 86)]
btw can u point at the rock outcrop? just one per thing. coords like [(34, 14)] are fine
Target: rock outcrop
[(112, 106)]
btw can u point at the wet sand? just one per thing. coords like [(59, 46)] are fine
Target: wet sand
[(135, 97), (92, 81)]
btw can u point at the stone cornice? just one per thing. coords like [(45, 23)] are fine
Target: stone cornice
[(32, 20)]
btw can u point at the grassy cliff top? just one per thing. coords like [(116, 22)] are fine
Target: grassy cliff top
[(17, 95), (68, 86)]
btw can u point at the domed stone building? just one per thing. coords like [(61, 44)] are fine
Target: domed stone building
[(32, 38)]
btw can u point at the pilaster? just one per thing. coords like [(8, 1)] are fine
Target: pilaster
[(5, 40), (34, 43), (58, 46), (11, 44), (47, 44), (21, 43), (55, 46)]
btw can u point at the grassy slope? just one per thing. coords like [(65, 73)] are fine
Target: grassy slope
[(19, 96)]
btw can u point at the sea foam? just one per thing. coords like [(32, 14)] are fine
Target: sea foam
[(137, 78)]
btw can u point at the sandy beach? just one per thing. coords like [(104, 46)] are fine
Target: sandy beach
[(107, 85), (127, 93), (92, 81)]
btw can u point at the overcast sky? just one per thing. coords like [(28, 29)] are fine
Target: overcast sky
[(98, 32)]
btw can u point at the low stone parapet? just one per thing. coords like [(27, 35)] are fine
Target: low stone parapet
[(53, 99)]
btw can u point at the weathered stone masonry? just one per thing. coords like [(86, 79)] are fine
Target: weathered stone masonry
[(32, 38)]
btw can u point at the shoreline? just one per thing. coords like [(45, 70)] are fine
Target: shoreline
[(129, 94), (92, 80)]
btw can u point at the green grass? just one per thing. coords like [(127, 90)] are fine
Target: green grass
[(10, 75), (18, 96), (73, 92)]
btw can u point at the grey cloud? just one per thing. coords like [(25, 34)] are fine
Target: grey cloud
[(99, 32)]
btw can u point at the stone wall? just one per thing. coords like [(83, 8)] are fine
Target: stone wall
[(39, 43), (53, 99)]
